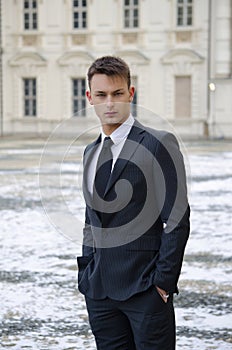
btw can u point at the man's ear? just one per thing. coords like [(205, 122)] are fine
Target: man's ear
[(89, 97), (132, 92)]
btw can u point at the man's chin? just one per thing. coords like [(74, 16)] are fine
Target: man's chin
[(113, 120)]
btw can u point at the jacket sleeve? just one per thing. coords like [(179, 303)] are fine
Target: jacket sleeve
[(88, 242), (174, 213), (87, 248)]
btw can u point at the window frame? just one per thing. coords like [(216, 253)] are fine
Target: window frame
[(78, 99), (130, 18), (30, 15), (30, 97), (185, 19), (81, 13)]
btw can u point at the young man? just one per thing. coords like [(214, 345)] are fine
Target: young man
[(137, 220)]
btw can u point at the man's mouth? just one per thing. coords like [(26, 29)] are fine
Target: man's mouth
[(110, 114)]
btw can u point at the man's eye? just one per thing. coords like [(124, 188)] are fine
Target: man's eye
[(118, 93), (100, 95)]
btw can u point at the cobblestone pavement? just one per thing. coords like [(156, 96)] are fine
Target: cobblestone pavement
[(41, 308)]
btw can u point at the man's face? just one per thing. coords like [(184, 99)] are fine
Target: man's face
[(111, 98)]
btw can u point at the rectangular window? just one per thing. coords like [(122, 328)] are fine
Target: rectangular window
[(184, 12), (131, 13), (30, 108), (134, 109), (183, 97), (30, 15), (78, 97), (79, 14)]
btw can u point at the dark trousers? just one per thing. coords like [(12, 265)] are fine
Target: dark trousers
[(143, 322)]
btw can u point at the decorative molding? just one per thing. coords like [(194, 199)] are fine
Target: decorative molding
[(71, 57), (134, 56), (27, 58), (39, 1), (30, 40), (129, 38), (184, 37), (183, 55)]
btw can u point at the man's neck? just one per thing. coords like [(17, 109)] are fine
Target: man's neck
[(108, 129)]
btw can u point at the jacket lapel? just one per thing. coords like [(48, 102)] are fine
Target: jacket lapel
[(133, 140), (88, 155)]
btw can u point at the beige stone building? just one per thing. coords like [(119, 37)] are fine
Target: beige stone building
[(179, 51)]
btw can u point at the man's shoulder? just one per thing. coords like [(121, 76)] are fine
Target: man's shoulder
[(158, 134)]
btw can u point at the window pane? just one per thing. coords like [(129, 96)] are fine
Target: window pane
[(26, 23), (180, 11), (127, 13), (135, 100), (126, 23), (189, 10), (189, 21), (84, 3), (34, 108), (180, 16), (76, 22), (84, 21), (27, 104)]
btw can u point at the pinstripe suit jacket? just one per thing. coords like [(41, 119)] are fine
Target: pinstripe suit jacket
[(140, 241)]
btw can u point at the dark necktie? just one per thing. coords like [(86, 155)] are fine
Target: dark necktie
[(104, 165)]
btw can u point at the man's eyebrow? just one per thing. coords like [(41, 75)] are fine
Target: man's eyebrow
[(104, 92), (121, 89)]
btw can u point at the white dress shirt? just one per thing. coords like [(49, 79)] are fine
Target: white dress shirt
[(118, 137)]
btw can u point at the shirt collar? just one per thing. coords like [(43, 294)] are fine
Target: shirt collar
[(121, 132)]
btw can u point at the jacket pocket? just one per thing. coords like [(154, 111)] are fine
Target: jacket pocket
[(83, 261)]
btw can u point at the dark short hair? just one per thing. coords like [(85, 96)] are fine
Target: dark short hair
[(110, 66)]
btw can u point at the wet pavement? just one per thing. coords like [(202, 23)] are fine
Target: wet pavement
[(41, 307)]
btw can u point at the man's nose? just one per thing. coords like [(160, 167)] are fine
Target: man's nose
[(109, 101)]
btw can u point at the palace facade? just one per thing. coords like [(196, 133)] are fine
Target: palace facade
[(179, 52)]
